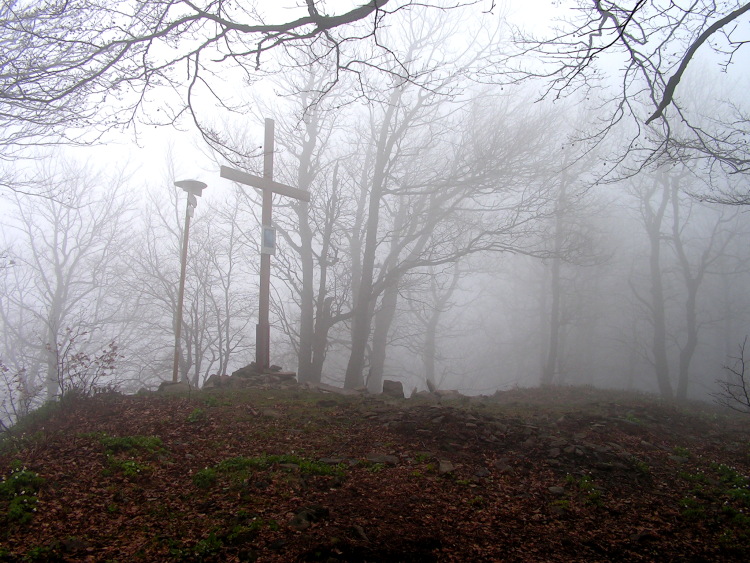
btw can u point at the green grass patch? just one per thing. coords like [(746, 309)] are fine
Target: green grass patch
[(719, 497), (593, 494), (240, 468), (130, 468), (18, 494), (125, 453), (205, 478), (117, 444)]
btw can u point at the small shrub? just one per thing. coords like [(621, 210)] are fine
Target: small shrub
[(477, 501), (208, 547), (642, 467), (198, 415), (43, 553), (630, 417), (205, 478), (211, 401), (691, 509)]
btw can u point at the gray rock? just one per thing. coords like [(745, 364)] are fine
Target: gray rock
[(393, 389), (381, 458), (445, 467)]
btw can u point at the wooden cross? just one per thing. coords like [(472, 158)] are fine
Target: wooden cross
[(269, 187)]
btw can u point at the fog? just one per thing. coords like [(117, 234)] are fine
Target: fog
[(479, 220)]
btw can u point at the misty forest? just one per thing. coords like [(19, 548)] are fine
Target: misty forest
[(490, 206), (502, 196)]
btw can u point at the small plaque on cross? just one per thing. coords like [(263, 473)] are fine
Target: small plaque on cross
[(268, 240)]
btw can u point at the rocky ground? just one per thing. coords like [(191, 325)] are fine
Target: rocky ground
[(559, 474)]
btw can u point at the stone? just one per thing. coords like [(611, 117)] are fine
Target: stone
[(383, 459), (283, 376), (325, 388), (393, 389), (450, 394), (425, 396), (216, 381), (360, 532), (559, 491), (172, 387), (307, 516), (331, 460), (482, 472), (445, 467), (504, 467)]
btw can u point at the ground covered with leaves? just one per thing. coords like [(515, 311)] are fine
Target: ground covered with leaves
[(559, 474)]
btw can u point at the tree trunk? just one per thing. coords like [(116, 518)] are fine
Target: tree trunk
[(659, 341), (305, 176), (307, 302), (383, 321), (52, 383), (430, 334), (550, 365), (688, 350), (362, 310), (555, 326)]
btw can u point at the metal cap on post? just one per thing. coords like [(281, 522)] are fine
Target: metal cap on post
[(193, 187)]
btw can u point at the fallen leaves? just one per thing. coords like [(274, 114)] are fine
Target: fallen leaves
[(300, 476)]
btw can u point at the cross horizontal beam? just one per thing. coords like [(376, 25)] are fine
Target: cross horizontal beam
[(263, 183)]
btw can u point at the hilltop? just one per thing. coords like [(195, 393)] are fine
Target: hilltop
[(556, 474)]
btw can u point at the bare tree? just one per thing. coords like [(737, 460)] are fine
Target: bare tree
[(71, 70), (653, 45), (697, 256), (654, 203), (573, 247), (67, 253), (698, 236), (735, 388)]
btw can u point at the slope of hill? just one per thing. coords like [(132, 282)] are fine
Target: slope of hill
[(558, 474)]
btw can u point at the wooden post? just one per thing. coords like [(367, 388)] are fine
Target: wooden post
[(180, 298), (269, 187), (263, 329)]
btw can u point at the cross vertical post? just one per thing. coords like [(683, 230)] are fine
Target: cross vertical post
[(263, 329), (268, 187)]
